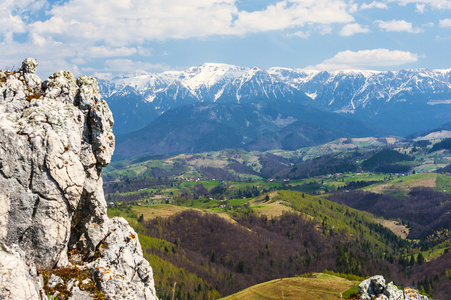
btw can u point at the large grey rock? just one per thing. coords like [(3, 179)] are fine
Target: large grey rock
[(54, 281), (392, 292), (55, 138), (374, 288), (365, 290), (17, 279), (122, 263), (78, 294), (378, 284)]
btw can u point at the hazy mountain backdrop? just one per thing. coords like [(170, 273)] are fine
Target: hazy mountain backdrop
[(215, 106)]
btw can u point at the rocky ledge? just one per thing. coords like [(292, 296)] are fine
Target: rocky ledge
[(374, 288), (55, 237)]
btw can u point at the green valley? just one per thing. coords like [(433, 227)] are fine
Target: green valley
[(213, 224)]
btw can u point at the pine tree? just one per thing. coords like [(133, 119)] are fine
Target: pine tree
[(412, 260), (420, 258)]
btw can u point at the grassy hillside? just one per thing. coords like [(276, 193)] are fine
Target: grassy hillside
[(324, 286)]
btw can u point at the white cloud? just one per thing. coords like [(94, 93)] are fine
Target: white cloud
[(144, 51), (445, 23), (20, 6), (398, 25), (119, 23), (354, 28), (79, 61), (374, 4), (13, 54), (81, 30), (435, 4), (331, 67), (299, 34), (103, 51), (126, 65), (293, 13), (55, 25), (420, 7), (369, 58), (10, 25), (325, 29), (73, 33)]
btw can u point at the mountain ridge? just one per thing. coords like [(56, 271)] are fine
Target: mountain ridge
[(414, 97), (257, 125)]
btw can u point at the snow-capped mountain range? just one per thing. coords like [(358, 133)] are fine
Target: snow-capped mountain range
[(413, 99), (206, 83)]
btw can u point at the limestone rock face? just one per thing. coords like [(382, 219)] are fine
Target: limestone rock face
[(374, 288), (121, 262), (55, 138), (17, 280)]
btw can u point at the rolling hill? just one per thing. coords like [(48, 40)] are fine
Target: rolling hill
[(322, 286)]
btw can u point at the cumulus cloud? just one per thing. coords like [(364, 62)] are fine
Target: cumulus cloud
[(299, 34), (103, 51), (294, 13), (398, 25), (126, 65), (445, 23), (435, 4), (354, 28), (10, 25), (20, 6), (420, 7), (121, 28), (80, 32), (369, 58), (55, 25), (12, 54), (374, 4), (119, 23)]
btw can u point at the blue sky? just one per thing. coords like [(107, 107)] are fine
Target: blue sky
[(117, 36)]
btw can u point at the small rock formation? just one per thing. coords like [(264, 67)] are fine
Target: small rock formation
[(55, 236), (374, 288)]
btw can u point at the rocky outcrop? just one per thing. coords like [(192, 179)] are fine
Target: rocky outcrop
[(55, 138), (374, 288)]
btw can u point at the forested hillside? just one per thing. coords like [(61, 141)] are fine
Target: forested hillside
[(260, 242), (215, 223)]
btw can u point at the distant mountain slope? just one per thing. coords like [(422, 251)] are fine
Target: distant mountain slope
[(442, 131), (425, 209), (259, 125), (402, 102)]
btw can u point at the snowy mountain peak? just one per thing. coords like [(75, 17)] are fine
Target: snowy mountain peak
[(371, 94), (343, 91), (210, 74)]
